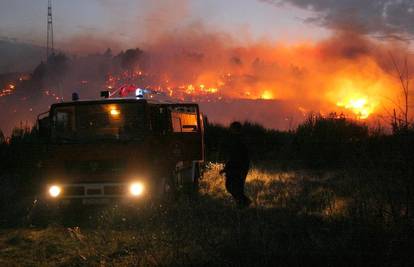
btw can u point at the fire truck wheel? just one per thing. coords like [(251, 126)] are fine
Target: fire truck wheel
[(191, 180), (170, 187), (74, 214), (41, 214)]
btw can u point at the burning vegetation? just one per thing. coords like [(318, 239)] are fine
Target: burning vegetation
[(348, 74)]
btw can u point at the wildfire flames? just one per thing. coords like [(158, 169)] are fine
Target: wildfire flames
[(332, 76), (347, 74), (8, 90), (352, 95), (358, 106), (360, 97)]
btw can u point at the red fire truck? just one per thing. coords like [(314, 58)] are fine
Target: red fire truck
[(123, 149)]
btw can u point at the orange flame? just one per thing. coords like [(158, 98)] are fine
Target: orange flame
[(345, 74)]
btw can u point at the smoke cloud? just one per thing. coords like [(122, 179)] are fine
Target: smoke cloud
[(275, 84), (383, 18)]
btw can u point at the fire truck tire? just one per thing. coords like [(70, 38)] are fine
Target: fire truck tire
[(41, 214), (191, 179), (74, 214), (170, 187), (163, 189)]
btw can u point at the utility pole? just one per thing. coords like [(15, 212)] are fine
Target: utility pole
[(49, 45)]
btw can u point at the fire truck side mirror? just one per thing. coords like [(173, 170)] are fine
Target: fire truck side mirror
[(105, 94), (75, 96)]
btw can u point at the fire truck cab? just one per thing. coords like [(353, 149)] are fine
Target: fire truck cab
[(127, 149)]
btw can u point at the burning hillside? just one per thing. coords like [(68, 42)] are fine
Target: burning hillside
[(347, 73)]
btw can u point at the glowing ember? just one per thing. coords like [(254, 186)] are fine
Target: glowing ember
[(266, 95), (10, 88), (359, 95), (211, 90), (359, 107), (190, 89)]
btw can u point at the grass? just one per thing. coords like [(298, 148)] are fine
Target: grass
[(297, 218)]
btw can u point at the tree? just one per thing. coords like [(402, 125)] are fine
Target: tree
[(2, 139), (108, 53), (130, 59), (57, 64), (401, 118), (39, 72)]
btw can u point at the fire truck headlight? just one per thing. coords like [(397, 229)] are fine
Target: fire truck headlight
[(54, 191), (136, 189)]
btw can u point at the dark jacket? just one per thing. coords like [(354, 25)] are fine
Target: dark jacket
[(238, 160)]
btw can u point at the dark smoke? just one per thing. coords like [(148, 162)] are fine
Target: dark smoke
[(298, 78), (383, 18)]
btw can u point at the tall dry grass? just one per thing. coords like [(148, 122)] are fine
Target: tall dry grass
[(298, 218)]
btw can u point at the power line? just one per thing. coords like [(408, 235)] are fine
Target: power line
[(49, 45)]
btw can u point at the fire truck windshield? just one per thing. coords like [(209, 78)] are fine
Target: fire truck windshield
[(94, 122)]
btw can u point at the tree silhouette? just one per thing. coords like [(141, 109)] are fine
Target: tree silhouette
[(130, 59)]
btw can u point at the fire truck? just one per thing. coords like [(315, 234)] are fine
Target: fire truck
[(122, 149)]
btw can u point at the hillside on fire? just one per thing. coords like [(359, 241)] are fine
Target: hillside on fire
[(347, 73), (206, 133)]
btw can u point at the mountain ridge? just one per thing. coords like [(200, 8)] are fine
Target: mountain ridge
[(17, 56)]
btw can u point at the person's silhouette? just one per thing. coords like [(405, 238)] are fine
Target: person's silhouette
[(237, 166)]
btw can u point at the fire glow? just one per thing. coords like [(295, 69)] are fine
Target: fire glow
[(334, 75), (358, 96), (345, 74), (349, 96), (359, 106), (10, 88)]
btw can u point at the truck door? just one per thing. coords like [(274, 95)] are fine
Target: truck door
[(187, 132)]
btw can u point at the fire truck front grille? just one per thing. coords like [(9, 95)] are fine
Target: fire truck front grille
[(91, 167), (94, 190), (114, 190), (74, 191)]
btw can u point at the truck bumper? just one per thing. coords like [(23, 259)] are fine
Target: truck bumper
[(98, 193)]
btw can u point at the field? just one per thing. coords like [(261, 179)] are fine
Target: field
[(298, 218)]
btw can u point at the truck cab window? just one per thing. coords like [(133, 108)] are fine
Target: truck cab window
[(184, 119), (64, 121), (96, 121), (160, 123), (176, 123)]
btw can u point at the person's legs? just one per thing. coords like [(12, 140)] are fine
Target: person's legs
[(230, 185), (235, 186), (245, 201), (238, 190), (239, 196)]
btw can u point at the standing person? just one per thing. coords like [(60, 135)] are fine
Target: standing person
[(237, 166)]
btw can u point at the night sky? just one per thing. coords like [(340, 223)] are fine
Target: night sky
[(138, 21), (129, 21)]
